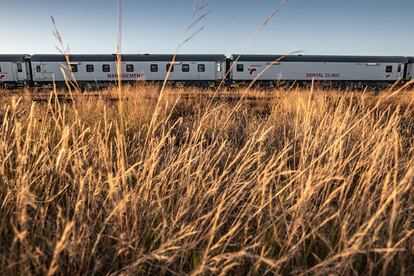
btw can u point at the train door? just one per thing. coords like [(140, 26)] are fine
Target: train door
[(220, 69), (21, 72), (28, 70), (38, 74), (410, 75), (400, 71)]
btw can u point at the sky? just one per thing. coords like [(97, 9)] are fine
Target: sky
[(347, 27)]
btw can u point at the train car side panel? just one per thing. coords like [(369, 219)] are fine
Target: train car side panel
[(14, 70), (104, 68), (322, 68), (318, 71), (131, 71), (410, 69), (7, 74)]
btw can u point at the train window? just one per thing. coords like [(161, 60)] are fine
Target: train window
[(219, 67), (0, 68), (130, 68), (154, 68), (399, 68), (170, 66), (240, 67), (201, 68), (74, 68), (186, 68), (38, 69), (388, 69), (106, 68), (19, 67), (89, 68)]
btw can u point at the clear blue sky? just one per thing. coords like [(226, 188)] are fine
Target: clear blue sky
[(367, 27)]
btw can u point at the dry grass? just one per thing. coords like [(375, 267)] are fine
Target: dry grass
[(301, 182)]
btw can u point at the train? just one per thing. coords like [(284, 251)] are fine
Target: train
[(205, 70)]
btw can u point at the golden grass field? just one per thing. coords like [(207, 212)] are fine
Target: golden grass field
[(298, 182)]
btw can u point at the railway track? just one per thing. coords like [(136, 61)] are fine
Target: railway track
[(66, 97)]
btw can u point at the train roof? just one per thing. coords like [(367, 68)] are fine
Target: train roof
[(14, 58), (320, 58), (129, 57), (410, 59)]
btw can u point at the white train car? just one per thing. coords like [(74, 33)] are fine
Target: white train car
[(409, 75), (14, 70), (102, 69), (364, 69)]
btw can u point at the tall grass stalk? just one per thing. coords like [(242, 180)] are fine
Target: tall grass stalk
[(317, 182)]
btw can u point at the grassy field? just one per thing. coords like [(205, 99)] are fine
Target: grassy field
[(274, 182)]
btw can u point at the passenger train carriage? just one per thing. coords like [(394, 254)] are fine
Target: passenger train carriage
[(102, 69), (14, 70), (410, 69), (204, 70), (366, 70)]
